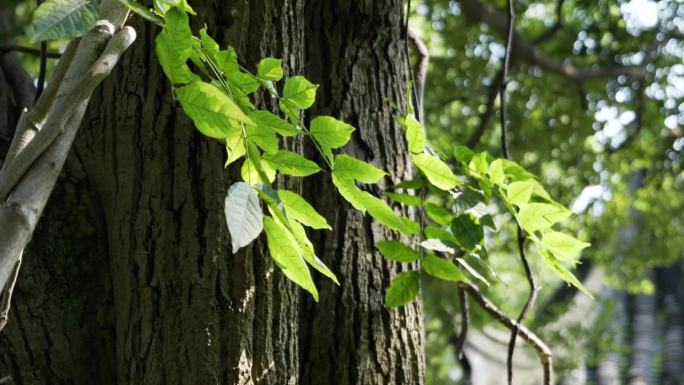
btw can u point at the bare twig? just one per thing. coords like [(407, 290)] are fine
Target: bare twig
[(28, 50), (43, 65), (543, 351), (419, 73)]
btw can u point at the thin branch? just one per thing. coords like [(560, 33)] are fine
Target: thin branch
[(557, 25), (43, 65), (504, 84), (28, 50), (543, 351), (419, 72), (486, 116), (465, 322), (523, 50)]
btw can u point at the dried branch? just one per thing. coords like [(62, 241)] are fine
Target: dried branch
[(45, 133), (543, 351), (419, 72), (523, 50)]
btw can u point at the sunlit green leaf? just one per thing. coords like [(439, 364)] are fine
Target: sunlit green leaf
[(537, 216), (348, 167), (63, 19), (300, 210), (519, 193), (563, 246), (270, 69), (436, 171), (299, 93), (415, 135), (291, 163), (174, 47), (285, 254), (330, 132)]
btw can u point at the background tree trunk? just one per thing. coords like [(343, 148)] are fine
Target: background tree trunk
[(130, 279)]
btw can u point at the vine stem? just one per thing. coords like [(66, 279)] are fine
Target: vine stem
[(532, 297)]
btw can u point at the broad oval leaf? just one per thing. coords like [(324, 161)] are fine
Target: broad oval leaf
[(270, 69), (297, 208), (212, 111), (519, 193), (291, 163), (243, 214), (442, 269), (348, 167), (403, 289), (436, 171), (174, 47), (274, 123), (563, 246), (307, 249), (63, 19), (330, 132), (496, 172), (409, 200), (438, 214), (398, 251), (286, 255), (299, 93), (415, 135), (537, 216)]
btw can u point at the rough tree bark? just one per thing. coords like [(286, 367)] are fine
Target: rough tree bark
[(129, 278)]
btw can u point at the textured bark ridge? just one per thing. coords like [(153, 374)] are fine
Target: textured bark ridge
[(130, 278), (355, 51)]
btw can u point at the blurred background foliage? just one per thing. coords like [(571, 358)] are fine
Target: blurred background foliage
[(606, 141)]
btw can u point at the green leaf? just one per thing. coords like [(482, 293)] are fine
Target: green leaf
[(347, 188), (397, 251), (297, 208), (270, 69), (299, 92), (274, 123), (478, 164), (348, 167), (174, 47), (410, 200), (307, 251), (142, 11), (440, 233), (438, 214), (379, 210), (564, 273), (436, 171), (63, 19), (442, 269), (563, 246), (403, 289), (286, 255), (235, 146), (330, 132), (243, 214), (262, 137), (496, 172), (291, 163), (463, 154), (537, 216), (213, 113), (413, 183), (468, 231), (515, 171), (415, 135), (162, 6), (472, 271), (519, 193), (250, 172)]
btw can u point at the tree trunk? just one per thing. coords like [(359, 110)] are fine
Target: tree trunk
[(608, 369), (130, 279), (670, 286), (644, 338)]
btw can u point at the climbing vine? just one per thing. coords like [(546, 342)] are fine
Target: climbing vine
[(452, 190)]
